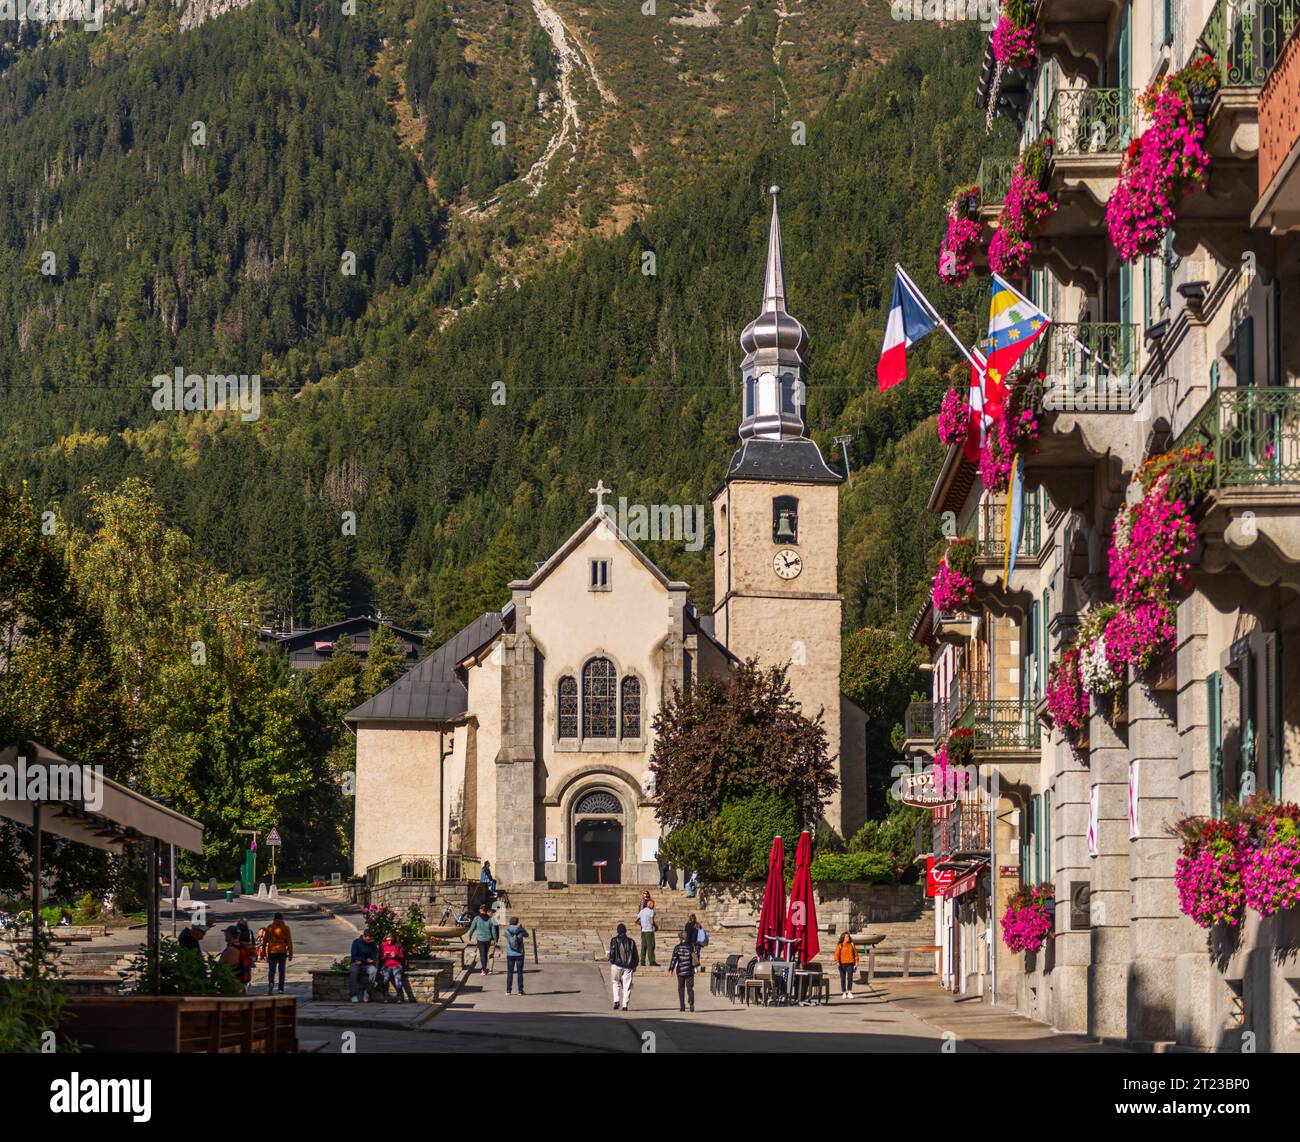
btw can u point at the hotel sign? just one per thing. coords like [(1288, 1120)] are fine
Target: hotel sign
[(918, 789)]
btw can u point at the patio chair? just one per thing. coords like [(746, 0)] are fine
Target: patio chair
[(761, 984), (732, 977)]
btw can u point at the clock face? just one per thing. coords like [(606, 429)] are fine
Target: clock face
[(787, 564)]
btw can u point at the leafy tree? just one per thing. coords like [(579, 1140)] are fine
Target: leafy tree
[(722, 740), (736, 845)]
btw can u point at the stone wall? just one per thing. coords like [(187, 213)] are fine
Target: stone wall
[(840, 906)]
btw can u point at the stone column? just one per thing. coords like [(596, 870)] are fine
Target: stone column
[(1154, 924), (1108, 971), (516, 762), (1073, 947)]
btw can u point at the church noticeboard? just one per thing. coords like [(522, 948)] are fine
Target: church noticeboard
[(649, 848), (550, 847)]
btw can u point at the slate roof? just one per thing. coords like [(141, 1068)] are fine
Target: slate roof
[(432, 691), (795, 461)]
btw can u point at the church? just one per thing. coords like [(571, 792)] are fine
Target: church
[(526, 739)]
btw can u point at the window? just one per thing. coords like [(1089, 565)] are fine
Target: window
[(785, 519), (599, 575), (789, 393), (1244, 344), (568, 699), (631, 708), (599, 683), (599, 802)]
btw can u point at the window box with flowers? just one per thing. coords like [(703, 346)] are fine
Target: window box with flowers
[(962, 236), (954, 418), (953, 585), (1014, 431), (1067, 704), (951, 764), (1027, 920), (1248, 858), (1025, 205), (1168, 161)]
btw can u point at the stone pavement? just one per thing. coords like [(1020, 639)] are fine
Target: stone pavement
[(568, 1009)]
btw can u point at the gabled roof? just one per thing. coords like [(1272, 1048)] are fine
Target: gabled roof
[(324, 633), (598, 517), (954, 482), (432, 690)]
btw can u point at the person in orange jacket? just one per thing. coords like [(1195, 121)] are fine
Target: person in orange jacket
[(279, 948), (846, 955)]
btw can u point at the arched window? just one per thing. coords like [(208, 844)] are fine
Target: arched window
[(599, 802), (599, 699), (631, 707), (568, 695)]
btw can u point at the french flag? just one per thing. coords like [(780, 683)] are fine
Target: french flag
[(910, 318)]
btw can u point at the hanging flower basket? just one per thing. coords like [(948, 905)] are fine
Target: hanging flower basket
[(962, 236), (1027, 919), (1066, 701), (1025, 205), (1014, 430), (953, 586), (1013, 37), (1270, 865), (954, 418), (1166, 162), (1208, 871), (1100, 673)]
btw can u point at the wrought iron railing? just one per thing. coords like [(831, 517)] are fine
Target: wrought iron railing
[(1087, 367), (990, 538), (962, 829), (1254, 434), (1006, 724), (418, 867), (964, 689), (994, 178), (1246, 38), (919, 720), (1092, 120)]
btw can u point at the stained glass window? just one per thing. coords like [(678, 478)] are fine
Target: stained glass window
[(568, 707), (599, 683), (631, 707)]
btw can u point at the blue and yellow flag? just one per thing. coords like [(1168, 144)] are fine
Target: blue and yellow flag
[(1015, 521)]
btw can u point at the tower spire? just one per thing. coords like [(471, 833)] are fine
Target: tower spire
[(773, 368)]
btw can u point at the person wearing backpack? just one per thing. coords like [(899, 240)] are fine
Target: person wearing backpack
[(701, 939), (623, 962), (516, 934)]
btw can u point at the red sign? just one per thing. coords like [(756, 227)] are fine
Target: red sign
[(937, 881)]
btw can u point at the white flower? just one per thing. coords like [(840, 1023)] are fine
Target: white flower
[(1095, 671)]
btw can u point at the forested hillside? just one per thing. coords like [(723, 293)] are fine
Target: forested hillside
[(464, 439)]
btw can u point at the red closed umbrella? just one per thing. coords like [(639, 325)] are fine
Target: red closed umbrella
[(770, 918), (801, 919)]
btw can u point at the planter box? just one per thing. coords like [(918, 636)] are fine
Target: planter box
[(424, 980), (172, 1024)]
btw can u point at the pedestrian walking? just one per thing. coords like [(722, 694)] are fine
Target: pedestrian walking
[(683, 963), (622, 966), (365, 962), (646, 920), (191, 937), (701, 939), (237, 956), (663, 873), (483, 931), (277, 947), (392, 959), (846, 956), (515, 934)]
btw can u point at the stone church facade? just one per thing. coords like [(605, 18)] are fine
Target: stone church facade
[(526, 739)]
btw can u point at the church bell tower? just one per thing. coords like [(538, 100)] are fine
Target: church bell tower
[(776, 523)]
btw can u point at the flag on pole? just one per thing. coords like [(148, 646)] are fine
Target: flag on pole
[(975, 398), (1015, 323), (1015, 521), (911, 317)]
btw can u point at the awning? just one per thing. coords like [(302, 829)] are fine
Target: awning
[(78, 804), (967, 879)]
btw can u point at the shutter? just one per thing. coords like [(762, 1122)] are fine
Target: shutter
[(1047, 836), (1038, 839), (1249, 722), (1245, 350), (1214, 736)]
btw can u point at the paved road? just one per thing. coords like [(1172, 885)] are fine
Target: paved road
[(568, 1009)]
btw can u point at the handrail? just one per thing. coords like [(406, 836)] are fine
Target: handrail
[(1246, 38), (1092, 120), (1254, 434)]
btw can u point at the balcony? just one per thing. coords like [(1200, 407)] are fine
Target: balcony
[(962, 830), (919, 723), (1278, 208), (993, 179), (1249, 533), (952, 626), (991, 553), (1004, 726), (1247, 38)]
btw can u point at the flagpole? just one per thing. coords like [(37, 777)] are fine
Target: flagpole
[(924, 302)]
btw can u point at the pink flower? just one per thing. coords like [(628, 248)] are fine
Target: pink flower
[(1027, 920), (1023, 208), (952, 589), (1013, 46), (1066, 700), (954, 418)]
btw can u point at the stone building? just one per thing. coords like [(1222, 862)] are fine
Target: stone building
[(526, 739), (1196, 344)]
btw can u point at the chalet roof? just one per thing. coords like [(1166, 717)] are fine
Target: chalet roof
[(432, 690)]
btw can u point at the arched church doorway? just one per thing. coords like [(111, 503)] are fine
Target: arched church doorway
[(598, 838)]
